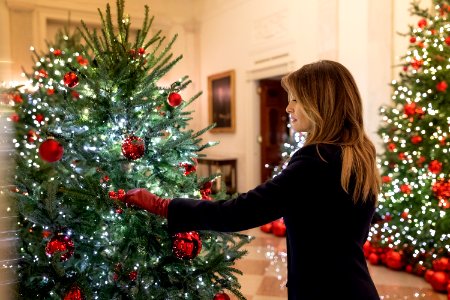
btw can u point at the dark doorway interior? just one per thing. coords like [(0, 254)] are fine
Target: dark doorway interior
[(274, 130)]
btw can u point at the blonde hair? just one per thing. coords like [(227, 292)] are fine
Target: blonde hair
[(331, 100)]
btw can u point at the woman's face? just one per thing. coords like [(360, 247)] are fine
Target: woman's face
[(297, 115)]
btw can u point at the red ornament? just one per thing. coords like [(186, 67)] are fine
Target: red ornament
[(14, 117), (221, 296), (133, 275), (439, 281), (189, 168), (441, 86), (17, 98), (391, 146), (441, 189), (75, 95), (50, 91), (267, 228), (428, 274), (435, 167), (416, 64), (420, 161), (174, 99), (404, 215), (386, 179), (40, 118), (71, 79), (441, 264), (74, 294), (367, 249), (394, 260), (412, 39), (420, 270), (42, 73), (405, 188), (422, 23), (186, 245), (409, 268), (51, 150), (133, 147), (409, 109), (205, 191), (57, 52), (374, 259), (278, 228), (60, 243), (82, 61), (417, 139), (447, 40)]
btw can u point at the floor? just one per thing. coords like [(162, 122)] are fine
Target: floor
[(264, 278)]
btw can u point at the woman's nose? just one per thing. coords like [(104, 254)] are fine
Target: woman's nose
[(288, 109)]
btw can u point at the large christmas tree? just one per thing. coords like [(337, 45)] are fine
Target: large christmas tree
[(414, 232), (97, 124)]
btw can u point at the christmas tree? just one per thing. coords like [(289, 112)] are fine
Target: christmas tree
[(414, 232), (97, 124)]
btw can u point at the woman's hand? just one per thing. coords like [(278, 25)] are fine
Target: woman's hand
[(144, 199)]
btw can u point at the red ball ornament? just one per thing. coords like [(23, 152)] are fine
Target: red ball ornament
[(422, 23), (186, 245), (133, 147), (60, 243), (51, 150), (435, 166), (417, 139), (174, 99), (133, 275), (394, 260), (221, 296), (441, 264), (74, 294), (14, 117), (367, 249), (278, 228), (71, 79), (441, 86), (386, 179), (374, 259), (267, 228), (40, 118), (439, 281)]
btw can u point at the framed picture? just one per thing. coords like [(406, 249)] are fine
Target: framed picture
[(221, 101)]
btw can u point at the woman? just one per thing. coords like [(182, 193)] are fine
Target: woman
[(326, 195)]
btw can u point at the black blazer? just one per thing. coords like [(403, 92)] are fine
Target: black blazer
[(325, 231)]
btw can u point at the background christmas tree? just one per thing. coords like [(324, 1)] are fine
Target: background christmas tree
[(98, 124), (294, 141), (414, 232)]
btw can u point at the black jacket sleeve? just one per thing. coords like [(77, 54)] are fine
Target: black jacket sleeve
[(267, 202)]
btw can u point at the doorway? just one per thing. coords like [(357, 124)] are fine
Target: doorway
[(274, 121)]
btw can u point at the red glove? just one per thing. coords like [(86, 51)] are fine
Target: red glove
[(148, 201)]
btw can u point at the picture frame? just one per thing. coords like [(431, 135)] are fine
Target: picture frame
[(221, 100)]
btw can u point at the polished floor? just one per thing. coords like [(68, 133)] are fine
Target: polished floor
[(264, 277)]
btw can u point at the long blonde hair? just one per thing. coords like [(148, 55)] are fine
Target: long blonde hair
[(331, 100)]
